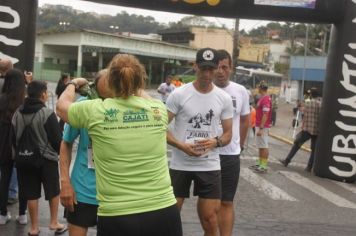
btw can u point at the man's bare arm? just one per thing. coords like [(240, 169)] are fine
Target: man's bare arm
[(227, 132), (67, 194), (244, 124)]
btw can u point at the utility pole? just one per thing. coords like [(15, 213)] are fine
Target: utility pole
[(305, 61), (235, 44)]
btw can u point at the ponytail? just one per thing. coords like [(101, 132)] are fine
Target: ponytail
[(126, 75)]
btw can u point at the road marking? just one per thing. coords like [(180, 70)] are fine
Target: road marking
[(266, 187), (272, 159), (350, 187), (318, 190)]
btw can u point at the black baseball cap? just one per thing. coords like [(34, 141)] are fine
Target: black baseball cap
[(207, 57), (263, 85)]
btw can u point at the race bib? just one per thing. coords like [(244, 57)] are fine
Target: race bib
[(189, 138), (90, 156)]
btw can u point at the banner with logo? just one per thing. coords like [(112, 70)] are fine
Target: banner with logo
[(18, 31), (318, 11), (288, 3)]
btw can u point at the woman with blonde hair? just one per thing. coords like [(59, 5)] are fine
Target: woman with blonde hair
[(128, 134)]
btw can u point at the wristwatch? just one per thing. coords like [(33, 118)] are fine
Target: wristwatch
[(218, 142), (75, 85)]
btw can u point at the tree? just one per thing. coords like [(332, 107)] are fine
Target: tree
[(281, 68), (49, 17)]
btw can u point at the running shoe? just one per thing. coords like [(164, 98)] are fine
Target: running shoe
[(284, 162), (253, 167), (260, 170), (22, 219), (5, 219)]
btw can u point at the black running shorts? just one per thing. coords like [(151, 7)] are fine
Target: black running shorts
[(230, 172), (165, 222), (207, 184), (84, 215), (31, 179)]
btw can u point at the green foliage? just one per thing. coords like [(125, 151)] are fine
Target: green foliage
[(281, 68), (49, 17), (260, 32), (187, 78), (317, 43)]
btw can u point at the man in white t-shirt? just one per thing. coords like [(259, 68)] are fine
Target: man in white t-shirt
[(166, 88), (230, 154), (199, 108)]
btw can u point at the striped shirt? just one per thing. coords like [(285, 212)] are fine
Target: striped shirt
[(311, 116)]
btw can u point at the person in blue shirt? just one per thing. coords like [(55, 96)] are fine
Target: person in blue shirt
[(78, 192)]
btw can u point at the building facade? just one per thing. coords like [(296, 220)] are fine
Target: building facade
[(84, 52)]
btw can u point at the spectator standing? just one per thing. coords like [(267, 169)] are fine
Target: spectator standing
[(198, 109), (12, 97), (6, 65), (128, 134), (230, 154), (48, 138), (61, 85), (263, 123), (310, 126), (166, 88), (13, 188)]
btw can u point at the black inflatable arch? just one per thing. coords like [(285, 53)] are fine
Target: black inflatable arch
[(336, 146)]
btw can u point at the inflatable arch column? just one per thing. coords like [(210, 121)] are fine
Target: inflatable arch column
[(18, 32), (336, 145)]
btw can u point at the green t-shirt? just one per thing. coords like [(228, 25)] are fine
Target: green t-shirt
[(130, 153)]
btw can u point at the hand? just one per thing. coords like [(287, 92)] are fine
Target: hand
[(259, 132), (28, 76), (207, 144), (67, 196), (190, 149)]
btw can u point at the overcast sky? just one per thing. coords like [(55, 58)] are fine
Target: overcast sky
[(158, 15)]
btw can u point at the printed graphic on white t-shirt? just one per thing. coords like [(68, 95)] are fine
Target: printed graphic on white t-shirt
[(199, 131)]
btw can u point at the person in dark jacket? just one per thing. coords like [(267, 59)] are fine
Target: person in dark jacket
[(61, 86), (62, 83), (48, 138), (12, 97)]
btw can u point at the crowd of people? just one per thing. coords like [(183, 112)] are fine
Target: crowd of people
[(121, 180)]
